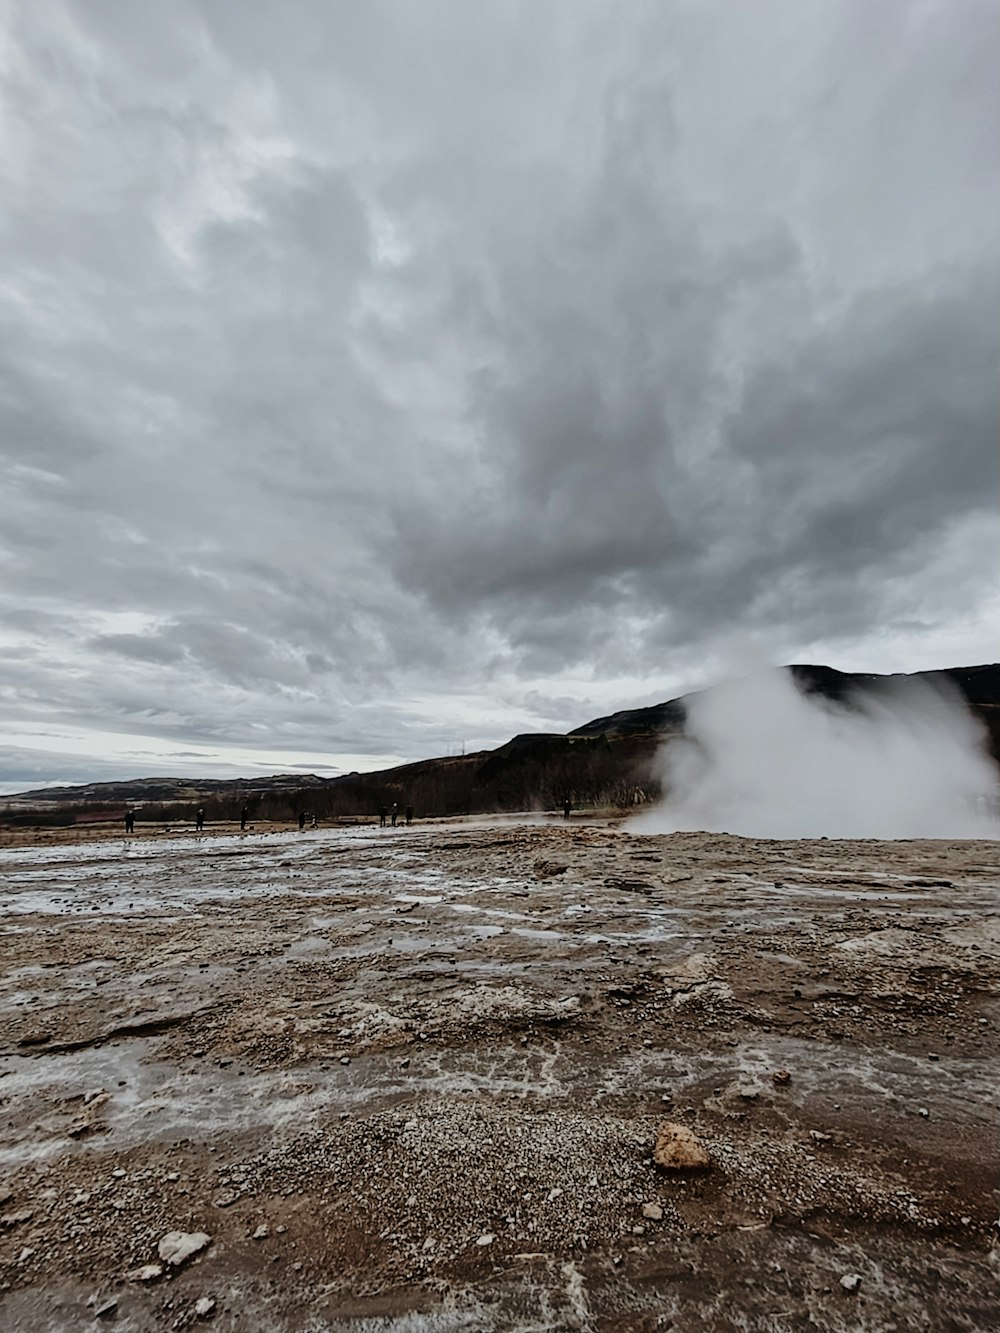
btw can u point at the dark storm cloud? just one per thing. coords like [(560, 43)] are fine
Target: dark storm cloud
[(361, 367), (635, 464)]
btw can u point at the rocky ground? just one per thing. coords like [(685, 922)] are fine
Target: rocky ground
[(413, 1079)]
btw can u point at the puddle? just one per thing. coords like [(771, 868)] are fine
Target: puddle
[(154, 1101), (177, 875)]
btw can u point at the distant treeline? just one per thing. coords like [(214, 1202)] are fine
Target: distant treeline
[(529, 773)]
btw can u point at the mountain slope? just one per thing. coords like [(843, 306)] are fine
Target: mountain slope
[(608, 761), (978, 685)]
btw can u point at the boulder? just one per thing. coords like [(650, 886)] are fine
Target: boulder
[(176, 1247), (677, 1149)]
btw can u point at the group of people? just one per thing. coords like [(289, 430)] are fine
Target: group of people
[(199, 819), (387, 814), (390, 814)]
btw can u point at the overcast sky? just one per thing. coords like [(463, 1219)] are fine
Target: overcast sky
[(378, 378)]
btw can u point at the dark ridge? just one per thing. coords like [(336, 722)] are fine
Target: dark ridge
[(607, 762), (978, 685)]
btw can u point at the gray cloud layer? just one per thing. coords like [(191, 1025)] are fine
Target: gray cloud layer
[(364, 367)]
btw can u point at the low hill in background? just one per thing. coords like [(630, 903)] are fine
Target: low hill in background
[(606, 762)]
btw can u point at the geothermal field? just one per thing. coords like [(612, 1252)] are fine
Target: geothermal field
[(482, 1075)]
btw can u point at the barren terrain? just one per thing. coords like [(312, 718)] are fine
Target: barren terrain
[(412, 1079)]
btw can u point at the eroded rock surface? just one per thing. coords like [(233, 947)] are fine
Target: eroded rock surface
[(351, 1056)]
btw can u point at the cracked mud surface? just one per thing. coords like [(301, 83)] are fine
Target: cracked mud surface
[(411, 1079)]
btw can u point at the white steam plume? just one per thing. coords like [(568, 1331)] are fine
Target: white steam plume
[(759, 758)]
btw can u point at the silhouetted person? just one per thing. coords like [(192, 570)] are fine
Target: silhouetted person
[(382, 812), (199, 820), (567, 807), (302, 820), (244, 814), (129, 822), (395, 813), (409, 814)]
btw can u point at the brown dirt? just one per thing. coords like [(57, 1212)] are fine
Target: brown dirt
[(427, 1068)]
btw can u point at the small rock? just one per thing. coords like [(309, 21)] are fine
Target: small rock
[(345, 1059), (933, 1057), (9, 1220), (405, 1063), (781, 1076), (677, 1149), (262, 1232), (851, 1281), (226, 1199), (108, 1308), (923, 1112), (486, 1239), (147, 1273), (119, 1173), (554, 1194), (749, 1094), (204, 1307), (178, 1246), (818, 1136), (653, 1211), (25, 1254), (966, 1221)]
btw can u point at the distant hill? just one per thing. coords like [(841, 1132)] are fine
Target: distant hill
[(978, 685), (608, 761), (167, 789)]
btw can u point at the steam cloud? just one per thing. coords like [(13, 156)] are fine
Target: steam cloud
[(760, 758)]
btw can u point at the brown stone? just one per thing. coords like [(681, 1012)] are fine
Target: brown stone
[(677, 1149)]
